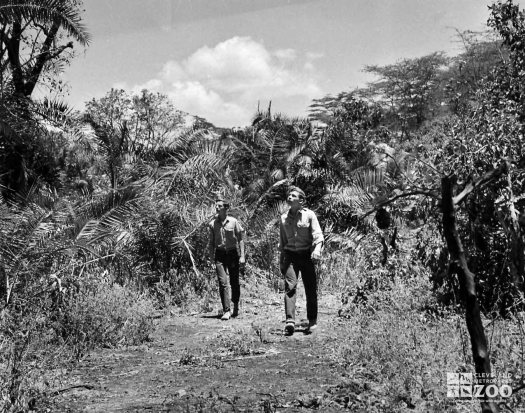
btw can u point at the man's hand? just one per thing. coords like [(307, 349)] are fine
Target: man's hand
[(242, 265), (316, 255)]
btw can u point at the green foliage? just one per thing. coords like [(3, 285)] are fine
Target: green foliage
[(263, 235), (43, 12), (68, 258), (345, 204), (104, 315), (30, 43), (167, 262), (45, 334), (488, 133), (407, 89), (468, 70), (348, 108), (268, 152), (395, 351), (154, 244), (402, 343), (398, 330), (509, 22), (351, 124), (29, 150), (144, 122)]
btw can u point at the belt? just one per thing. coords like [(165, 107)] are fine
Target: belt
[(298, 251)]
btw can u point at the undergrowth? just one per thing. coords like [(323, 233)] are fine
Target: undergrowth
[(402, 341), (38, 339)]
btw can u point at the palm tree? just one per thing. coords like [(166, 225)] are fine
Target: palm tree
[(266, 152), (42, 228)]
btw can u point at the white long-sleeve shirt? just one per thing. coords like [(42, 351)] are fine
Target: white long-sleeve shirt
[(300, 232)]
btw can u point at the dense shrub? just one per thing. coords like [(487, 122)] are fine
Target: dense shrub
[(104, 315)]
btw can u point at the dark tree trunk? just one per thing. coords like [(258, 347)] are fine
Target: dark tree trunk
[(4, 286), (26, 75), (517, 263), (515, 233), (467, 283)]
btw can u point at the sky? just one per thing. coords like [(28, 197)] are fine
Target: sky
[(221, 59)]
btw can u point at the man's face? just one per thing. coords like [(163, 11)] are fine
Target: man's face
[(221, 206), (294, 199)]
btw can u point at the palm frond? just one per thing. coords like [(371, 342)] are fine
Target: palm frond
[(204, 162), (109, 215), (263, 220), (349, 239), (8, 256), (196, 158), (201, 215), (56, 112), (26, 229), (352, 196), (295, 152), (259, 185), (369, 179), (46, 11)]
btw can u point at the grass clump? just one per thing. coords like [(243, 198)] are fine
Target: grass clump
[(402, 341), (105, 315), (48, 335)]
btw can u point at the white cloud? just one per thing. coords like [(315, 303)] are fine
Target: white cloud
[(286, 54), (224, 83), (195, 99), (173, 70), (314, 55), (309, 66)]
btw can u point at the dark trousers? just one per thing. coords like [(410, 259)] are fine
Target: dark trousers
[(227, 268), (293, 263)]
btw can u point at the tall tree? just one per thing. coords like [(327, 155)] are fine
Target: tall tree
[(469, 69), (150, 118), (34, 38), (406, 89)]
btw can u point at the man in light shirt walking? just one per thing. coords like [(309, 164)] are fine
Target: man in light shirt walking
[(301, 242), (226, 238)]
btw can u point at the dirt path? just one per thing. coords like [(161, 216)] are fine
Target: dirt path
[(197, 362)]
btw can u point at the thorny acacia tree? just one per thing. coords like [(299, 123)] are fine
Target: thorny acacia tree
[(407, 89)]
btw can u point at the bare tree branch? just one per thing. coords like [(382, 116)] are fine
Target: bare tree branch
[(431, 193), (483, 180)]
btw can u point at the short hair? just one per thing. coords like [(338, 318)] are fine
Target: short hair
[(224, 201), (301, 193)]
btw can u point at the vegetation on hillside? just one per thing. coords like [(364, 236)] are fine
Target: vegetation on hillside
[(103, 214)]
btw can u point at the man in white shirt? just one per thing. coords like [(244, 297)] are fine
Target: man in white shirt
[(301, 242)]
